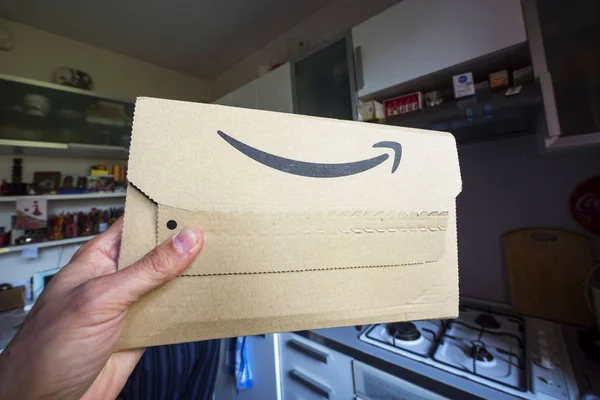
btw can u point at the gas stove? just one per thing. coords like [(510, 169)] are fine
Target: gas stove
[(525, 357)]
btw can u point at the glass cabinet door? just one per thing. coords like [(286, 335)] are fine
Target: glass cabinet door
[(565, 47), (323, 82), (46, 113)]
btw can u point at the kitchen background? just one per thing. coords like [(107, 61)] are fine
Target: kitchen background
[(508, 183), (516, 178), (37, 53)]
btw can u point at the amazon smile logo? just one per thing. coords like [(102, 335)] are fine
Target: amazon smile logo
[(316, 170)]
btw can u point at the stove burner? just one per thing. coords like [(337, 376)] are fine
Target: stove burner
[(480, 353), (406, 331), (487, 321)]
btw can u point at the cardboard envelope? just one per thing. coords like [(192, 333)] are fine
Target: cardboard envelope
[(308, 222)]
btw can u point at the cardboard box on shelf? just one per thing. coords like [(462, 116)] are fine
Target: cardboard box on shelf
[(463, 85), (522, 76), (499, 79), (403, 104), (308, 222), (12, 297), (370, 111)]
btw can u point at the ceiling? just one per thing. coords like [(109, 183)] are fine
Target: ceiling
[(196, 37)]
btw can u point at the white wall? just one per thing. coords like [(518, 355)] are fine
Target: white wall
[(38, 53), (508, 185), (323, 26)]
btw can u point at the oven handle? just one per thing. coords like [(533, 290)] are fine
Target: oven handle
[(307, 350), (311, 384)]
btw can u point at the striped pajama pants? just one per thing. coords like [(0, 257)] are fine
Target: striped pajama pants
[(175, 372)]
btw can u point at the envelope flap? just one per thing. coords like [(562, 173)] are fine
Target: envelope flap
[(200, 157)]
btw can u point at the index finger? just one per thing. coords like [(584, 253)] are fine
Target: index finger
[(107, 243), (97, 257)]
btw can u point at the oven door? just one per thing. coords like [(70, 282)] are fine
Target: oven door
[(373, 384)]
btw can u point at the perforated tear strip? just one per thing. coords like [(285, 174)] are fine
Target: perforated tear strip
[(250, 243)]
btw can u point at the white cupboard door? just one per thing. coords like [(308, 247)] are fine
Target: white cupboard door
[(226, 100), (312, 371), (414, 38), (275, 90), (245, 96)]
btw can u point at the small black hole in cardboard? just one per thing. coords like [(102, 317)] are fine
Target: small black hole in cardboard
[(172, 224)]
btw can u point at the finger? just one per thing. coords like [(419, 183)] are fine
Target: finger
[(95, 258), (161, 265), (107, 243)]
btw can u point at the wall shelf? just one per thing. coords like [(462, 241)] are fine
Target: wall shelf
[(51, 243), (52, 197), (486, 115), (64, 129), (63, 89), (50, 149)]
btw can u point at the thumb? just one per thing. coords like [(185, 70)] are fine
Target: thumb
[(157, 267)]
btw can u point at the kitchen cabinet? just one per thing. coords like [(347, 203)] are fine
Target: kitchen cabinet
[(264, 361), (565, 52), (312, 371), (246, 96), (226, 100), (324, 82), (414, 38), (271, 92), (275, 90), (46, 119)]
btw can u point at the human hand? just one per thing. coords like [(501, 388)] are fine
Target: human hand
[(66, 347)]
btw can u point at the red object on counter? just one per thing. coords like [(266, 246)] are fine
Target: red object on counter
[(4, 239), (585, 204), (403, 104)]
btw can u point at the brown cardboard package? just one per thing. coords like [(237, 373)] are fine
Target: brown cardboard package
[(308, 222), (12, 297)]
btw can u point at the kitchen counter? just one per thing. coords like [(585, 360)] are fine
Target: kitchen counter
[(345, 340)]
